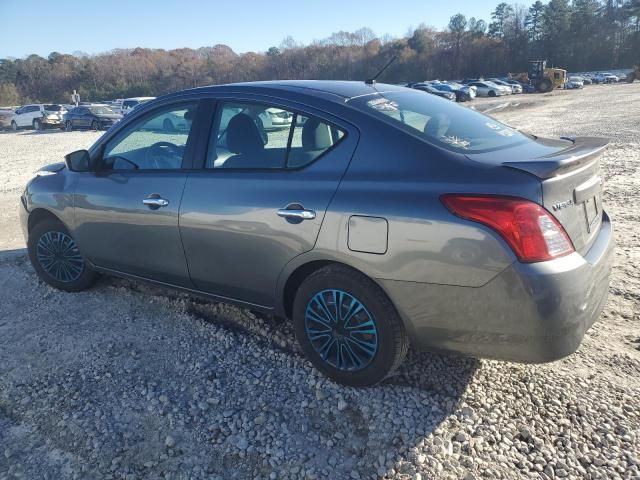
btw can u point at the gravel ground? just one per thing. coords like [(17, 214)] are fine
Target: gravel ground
[(130, 381)]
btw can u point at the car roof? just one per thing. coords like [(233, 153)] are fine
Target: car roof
[(336, 90)]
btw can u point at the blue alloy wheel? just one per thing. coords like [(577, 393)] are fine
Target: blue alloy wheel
[(341, 330), (59, 256)]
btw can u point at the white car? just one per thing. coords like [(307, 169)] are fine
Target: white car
[(574, 82), (506, 89), (129, 104), (38, 116), (488, 89), (515, 87), (605, 77)]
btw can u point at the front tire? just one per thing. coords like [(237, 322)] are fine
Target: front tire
[(14, 126), (56, 258), (492, 93), (68, 126), (94, 125), (545, 86), (37, 125), (347, 327)]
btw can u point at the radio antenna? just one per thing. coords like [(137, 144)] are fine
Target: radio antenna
[(372, 81)]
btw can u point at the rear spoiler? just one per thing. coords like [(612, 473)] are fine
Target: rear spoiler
[(583, 151)]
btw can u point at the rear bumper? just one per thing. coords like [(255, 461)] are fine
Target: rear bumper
[(530, 313), (52, 122)]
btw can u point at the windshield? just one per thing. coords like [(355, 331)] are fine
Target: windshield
[(440, 121), (53, 108), (101, 110)]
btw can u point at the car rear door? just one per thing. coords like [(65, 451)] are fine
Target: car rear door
[(244, 216), (126, 212)]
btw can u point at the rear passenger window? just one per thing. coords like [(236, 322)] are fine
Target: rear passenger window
[(311, 138), (258, 136)]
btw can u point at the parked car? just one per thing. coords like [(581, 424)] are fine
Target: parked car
[(276, 119), (129, 104), (586, 79), (481, 240), (488, 89), (605, 78), (6, 114), (506, 89), (95, 117), (425, 87), (462, 93), (38, 116), (574, 83), (515, 87)]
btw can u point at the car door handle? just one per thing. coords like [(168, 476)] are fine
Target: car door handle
[(297, 214), (155, 201)]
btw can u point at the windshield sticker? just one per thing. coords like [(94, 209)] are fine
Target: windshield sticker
[(456, 141), (383, 104), (500, 129), (506, 132)]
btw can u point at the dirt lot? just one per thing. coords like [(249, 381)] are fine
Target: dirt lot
[(128, 381)]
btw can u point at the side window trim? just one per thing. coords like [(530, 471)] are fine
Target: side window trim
[(187, 159)]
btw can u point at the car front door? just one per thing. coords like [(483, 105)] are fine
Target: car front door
[(261, 197), (126, 211)]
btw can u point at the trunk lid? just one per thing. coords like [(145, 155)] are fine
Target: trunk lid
[(571, 183)]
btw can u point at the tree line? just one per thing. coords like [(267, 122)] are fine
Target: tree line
[(578, 35)]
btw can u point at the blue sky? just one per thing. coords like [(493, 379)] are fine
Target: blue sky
[(43, 26)]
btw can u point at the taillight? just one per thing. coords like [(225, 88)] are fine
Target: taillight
[(530, 230)]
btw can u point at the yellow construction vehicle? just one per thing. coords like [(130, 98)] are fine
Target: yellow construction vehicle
[(541, 78), (635, 74)]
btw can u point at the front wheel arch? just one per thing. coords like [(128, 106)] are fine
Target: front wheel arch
[(41, 214)]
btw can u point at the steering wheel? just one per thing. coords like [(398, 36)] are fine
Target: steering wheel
[(163, 155)]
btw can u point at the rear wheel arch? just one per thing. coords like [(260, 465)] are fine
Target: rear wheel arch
[(297, 276)]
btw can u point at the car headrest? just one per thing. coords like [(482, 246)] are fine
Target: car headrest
[(243, 135), (437, 126), (315, 135)]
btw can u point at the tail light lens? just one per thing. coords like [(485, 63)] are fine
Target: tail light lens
[(530, 230)]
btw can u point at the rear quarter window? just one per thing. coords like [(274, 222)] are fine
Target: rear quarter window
[(440, 122)]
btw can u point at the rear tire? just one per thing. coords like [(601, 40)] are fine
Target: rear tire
[(37, 125), (358, 344), (56, 258)]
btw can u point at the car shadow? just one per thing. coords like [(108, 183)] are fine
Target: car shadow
[(388, 421), (47, 131)]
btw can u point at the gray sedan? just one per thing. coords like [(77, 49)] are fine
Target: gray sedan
[(381, 217)]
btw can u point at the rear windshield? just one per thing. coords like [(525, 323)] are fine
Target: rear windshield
[(53, 108), (440, 121), (101, 110)]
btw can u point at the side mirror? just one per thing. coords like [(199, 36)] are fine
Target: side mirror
[(78, 161)]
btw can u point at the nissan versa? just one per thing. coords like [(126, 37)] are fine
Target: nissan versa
[(379, 217)]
